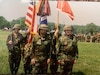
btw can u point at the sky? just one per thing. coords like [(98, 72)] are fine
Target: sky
[(84, 12)]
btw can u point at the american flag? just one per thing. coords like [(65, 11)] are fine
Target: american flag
[(30, 20), (64, 7)]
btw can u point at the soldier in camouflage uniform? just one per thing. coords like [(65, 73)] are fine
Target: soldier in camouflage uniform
[(54, 41), (27, 61), (68, 51), (14, 42), (41, 51), (26, 57)]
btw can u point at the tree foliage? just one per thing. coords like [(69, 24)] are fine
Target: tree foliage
[(20, 21), (4, 22), (90, 28)]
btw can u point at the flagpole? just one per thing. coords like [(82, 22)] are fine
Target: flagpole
[(57, 30), (58, 18)]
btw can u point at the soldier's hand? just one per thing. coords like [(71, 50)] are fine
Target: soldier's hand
[(10, 42), (32, 61), (48, 61), (75, 61), (59, 61), (56, 32)]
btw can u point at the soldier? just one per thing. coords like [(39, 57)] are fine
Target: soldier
[(26, 55), (54, 40), (41, 51), (14, 42), (68, 51)]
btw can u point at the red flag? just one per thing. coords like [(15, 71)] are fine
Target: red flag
[(30, 20), (59, 4), (43, 8), (63, 6)]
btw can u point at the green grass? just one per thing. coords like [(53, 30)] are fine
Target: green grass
[(89, 59), (88, 62), (4, 68)]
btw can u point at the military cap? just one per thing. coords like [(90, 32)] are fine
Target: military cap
[(67, 27), (16, 26), (43, 26)]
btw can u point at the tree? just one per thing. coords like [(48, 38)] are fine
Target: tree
[(20, 21), (4, 22), (51, 26), (91, 28)]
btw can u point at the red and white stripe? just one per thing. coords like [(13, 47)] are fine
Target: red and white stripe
[(30, 20)]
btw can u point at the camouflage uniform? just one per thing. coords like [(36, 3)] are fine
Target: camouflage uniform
[(67, 52), (54, 41), (26, 56), (14, 50), (41, 51), (27, 61)]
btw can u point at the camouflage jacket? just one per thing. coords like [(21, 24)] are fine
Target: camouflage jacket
[(41, 46), (67, 47), (16, 42)]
